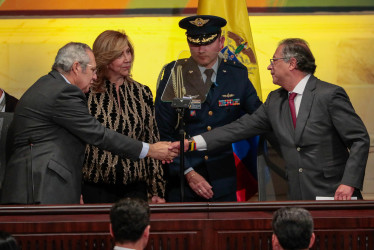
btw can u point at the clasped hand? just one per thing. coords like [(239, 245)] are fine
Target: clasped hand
[(163, 151), (176, 145)]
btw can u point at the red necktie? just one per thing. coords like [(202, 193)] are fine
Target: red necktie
[(291, 102)]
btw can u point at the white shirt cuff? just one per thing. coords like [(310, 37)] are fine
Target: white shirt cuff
[(144, 151), (200, 143), (188, 170)]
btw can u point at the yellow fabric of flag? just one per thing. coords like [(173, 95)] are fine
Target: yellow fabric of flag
[(237, 32)]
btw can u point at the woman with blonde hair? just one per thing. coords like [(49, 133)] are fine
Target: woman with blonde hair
[(126, 106)]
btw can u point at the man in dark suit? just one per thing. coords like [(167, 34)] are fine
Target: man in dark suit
[(225, 93), (7, 102), (323, 141), (51, 128), (130, 224)]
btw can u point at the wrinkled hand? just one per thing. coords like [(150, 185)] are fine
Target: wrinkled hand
[(343, 192), (157, 199), (176, 145), (199, 185), (160, 151)]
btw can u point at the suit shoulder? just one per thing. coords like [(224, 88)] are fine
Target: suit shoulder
[(165, 71), (326, 87)]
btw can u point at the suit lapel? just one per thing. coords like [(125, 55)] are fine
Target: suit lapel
[(305, 107)]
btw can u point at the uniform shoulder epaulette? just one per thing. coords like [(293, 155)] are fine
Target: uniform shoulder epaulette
[(234, 64)]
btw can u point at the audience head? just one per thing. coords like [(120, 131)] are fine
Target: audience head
[(114, 53), (130, 222), (7, 241), (299, 49), (292, 229), (77, 63)]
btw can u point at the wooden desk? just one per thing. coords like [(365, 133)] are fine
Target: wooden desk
[(338, 225)]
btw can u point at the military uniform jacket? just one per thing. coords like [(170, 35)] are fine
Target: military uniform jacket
[(328, 147), (233, 96)]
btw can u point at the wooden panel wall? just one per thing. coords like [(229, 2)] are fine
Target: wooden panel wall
[(223, 226)]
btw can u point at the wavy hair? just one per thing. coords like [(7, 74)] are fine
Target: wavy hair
[(107, 47)]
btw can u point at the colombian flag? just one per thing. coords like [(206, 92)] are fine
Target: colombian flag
[(239, 46)]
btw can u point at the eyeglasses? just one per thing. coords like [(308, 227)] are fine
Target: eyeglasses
[(93, 69), (272, 60)]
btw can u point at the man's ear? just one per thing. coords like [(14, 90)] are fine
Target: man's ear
[(111, 230), (222, 42), (275, 242), (312, 239), (75, 67), (293, 63), (147, 231)]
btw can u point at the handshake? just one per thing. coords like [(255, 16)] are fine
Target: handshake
[(165, 151)]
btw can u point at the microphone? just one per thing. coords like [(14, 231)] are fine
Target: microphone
[(31, 174)]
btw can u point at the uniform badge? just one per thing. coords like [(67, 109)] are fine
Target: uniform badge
[(228, 102), (228, 95), (199, 22), (192, 113)]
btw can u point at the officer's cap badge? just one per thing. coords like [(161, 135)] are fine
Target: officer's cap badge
[(199, 22)]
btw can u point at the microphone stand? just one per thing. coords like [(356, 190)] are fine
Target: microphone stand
[(180, 105)]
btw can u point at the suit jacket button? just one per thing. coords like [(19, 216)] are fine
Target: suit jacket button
[(210, 112), (206, 157), (209, 128), (298, 149), (300, 170)]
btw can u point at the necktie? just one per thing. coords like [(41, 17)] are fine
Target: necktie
[(208, 82), (291, 102)]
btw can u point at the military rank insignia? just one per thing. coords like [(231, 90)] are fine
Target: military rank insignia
[(228, 102)]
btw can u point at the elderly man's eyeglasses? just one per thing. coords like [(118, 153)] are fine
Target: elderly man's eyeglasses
[(272, 60), (93, 69)]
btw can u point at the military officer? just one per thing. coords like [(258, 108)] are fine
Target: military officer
[(225, 93)]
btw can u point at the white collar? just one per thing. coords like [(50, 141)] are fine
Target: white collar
[(64, 78), (300, 87)]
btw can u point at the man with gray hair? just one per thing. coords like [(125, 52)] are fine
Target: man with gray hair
[(292, 229), (51, 128), (324, 142)]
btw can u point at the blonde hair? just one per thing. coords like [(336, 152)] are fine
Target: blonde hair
[(107, 47)]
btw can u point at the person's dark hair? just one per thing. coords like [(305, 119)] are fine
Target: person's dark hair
[(129, 217), (70, 53), (293, 227), (7, 241), (299, 49)]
